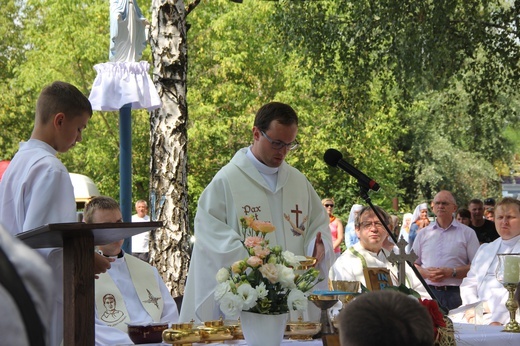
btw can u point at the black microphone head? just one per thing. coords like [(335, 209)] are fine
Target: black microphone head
[(332, 157)]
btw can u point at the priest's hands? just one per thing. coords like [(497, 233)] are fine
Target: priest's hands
[(101, 264), (319, 249)]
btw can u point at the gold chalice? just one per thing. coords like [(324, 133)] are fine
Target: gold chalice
[(349, 290)]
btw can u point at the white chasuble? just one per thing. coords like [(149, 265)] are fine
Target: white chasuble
[(294, 208), (110, 304), (238, 190)]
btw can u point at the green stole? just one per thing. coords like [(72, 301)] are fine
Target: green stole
[(115, 314)]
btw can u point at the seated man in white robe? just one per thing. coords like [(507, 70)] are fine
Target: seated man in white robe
[(369, 252), (481, 284), (131, 291), (257, 182)]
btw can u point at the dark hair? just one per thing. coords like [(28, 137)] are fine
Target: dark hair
[(278, 111), (385, 318), (463, 212), (489, 201), (476, 201), (98, 203), (61, 97), (384, 215)]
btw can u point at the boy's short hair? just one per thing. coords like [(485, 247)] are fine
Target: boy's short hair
[(385, 318), (98, 203), (61, 97)]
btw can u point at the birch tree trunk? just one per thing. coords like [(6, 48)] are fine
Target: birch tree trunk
[(169, 245)]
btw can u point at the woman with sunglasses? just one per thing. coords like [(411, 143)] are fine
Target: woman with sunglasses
[(335, 225)]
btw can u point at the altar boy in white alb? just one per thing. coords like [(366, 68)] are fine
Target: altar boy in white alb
[(256, 182), (369, 253), (131, 291)]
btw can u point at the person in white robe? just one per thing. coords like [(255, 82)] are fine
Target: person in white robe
[(258, 182), (131, 291), (37, 278), (481, 284), (36, 188), (369, 252)]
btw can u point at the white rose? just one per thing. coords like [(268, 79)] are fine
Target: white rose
[(290, 259), (261, 291), (296, 300), (222, 275), (286, 276), (248, 295), (221, 289), (270, 272), (231, 305)]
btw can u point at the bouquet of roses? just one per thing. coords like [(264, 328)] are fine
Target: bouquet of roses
[(264, 282)]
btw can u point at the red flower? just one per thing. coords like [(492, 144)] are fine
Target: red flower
[(435, 313)]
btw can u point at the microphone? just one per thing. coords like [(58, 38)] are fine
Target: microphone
[(335, 159)]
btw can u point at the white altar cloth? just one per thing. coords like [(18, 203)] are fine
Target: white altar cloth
[(479, 335), (465, 335)]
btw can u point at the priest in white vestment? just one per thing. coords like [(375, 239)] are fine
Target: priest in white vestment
[(370, 253), (131, 291), (258, 182), (481, 284)]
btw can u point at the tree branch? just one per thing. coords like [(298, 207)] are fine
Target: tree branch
[(192, 6)]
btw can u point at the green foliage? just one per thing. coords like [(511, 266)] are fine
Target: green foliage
[(63, 40), (420, 95)]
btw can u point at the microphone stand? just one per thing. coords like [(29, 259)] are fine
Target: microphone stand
[(363, 192)]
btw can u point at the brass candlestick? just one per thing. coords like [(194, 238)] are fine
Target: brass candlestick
[(508, 273), (512, 326)]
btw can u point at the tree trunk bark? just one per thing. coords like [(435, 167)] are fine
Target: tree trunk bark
[(169, 245)]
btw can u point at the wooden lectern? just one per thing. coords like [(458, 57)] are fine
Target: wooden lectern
[(78, 240)]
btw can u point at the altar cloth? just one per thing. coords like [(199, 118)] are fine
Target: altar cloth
[(465, 335)]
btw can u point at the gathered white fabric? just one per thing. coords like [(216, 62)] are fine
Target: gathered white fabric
[(121, 83)]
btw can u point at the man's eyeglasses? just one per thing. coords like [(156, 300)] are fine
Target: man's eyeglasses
[(368, 224), (329, 205), (277, 145), (445, 204)]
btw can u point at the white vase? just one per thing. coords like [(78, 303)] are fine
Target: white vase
[(261, 329)]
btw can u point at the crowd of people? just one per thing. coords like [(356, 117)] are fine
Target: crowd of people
[(456, 250)]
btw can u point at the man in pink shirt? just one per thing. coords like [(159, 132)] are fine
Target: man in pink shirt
[(445, 250)]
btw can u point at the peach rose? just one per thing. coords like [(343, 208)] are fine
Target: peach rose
[(261, 251), (238, 267), (262, 226), (251, 242), (254, 261)]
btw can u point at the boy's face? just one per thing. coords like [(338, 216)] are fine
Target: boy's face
[(69, 130)]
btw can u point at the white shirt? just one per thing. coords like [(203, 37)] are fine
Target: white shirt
[(106, 335), (141, 241), (36, 190)]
